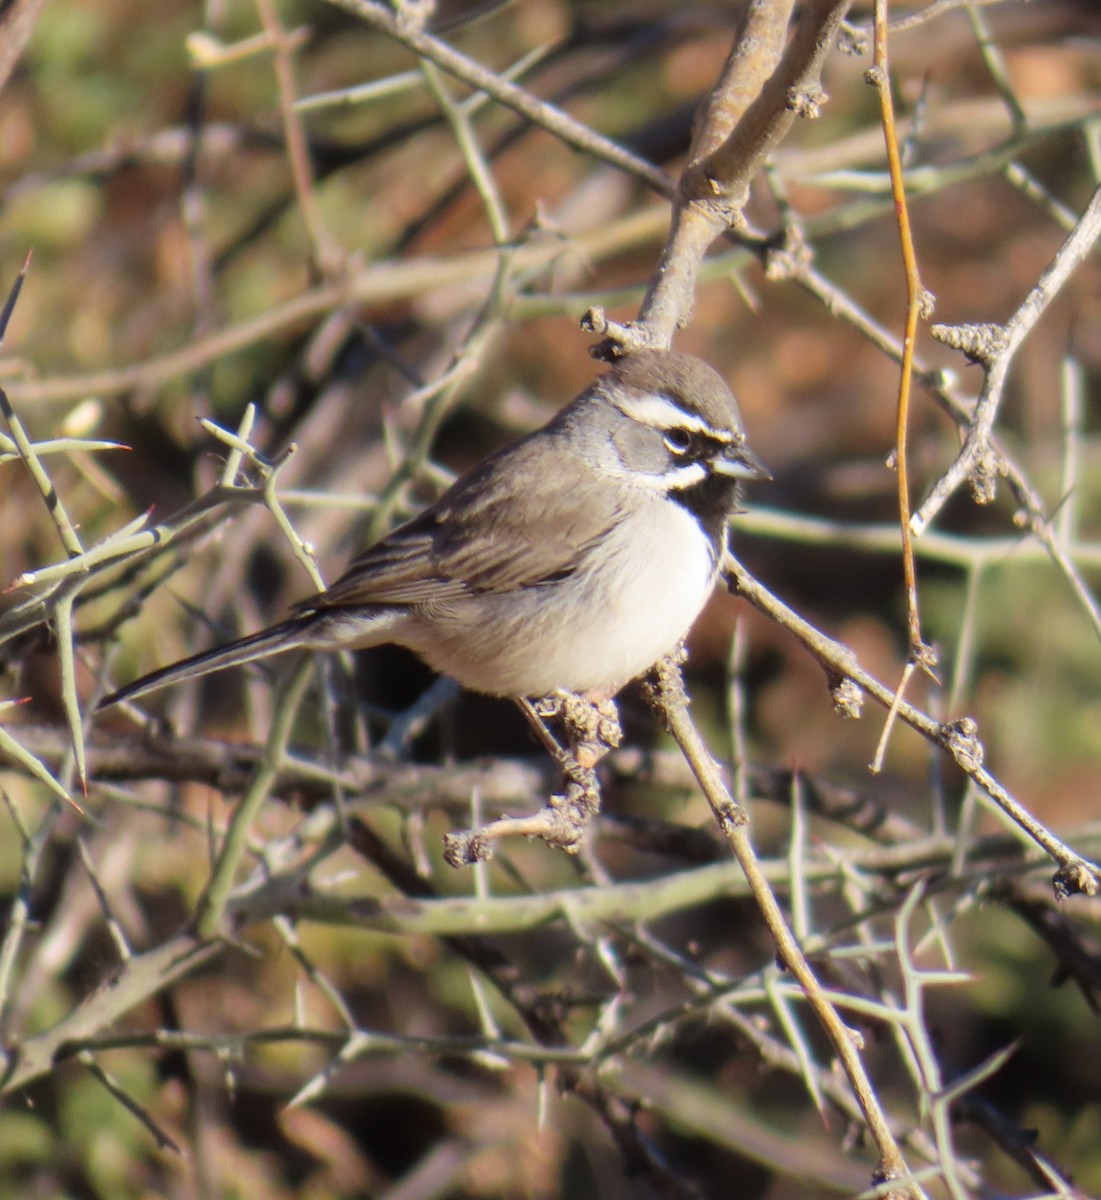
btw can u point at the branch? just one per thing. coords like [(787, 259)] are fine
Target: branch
[(17, 22), (671, 703), (959, 737), (715, 186), (538, 112), (993, 347), (142, 977)]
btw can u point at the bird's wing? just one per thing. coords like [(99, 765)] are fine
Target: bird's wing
[(498, 529)]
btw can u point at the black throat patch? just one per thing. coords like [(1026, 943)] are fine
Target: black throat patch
[(711, 501)]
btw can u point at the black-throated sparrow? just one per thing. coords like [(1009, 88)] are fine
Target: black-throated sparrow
[(572, 559)]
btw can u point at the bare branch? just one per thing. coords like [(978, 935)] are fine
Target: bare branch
[(995, 354), (715, 185), (539, 112)]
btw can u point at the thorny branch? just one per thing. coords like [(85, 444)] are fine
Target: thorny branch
[(753, 105), (539, 112), (671, 704), (745, 117), (733, 137), (959, 738), (993, 347)]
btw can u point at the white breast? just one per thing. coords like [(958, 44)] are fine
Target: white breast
[(592, 631), (662, 577)]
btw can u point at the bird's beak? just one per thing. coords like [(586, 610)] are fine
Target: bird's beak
[(739, 462)]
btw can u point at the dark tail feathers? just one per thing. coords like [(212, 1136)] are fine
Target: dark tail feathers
[(290, 635)]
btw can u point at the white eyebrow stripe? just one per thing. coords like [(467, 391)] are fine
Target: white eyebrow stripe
[(660, 412)]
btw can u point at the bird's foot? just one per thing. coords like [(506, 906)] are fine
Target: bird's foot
[(591, 730)]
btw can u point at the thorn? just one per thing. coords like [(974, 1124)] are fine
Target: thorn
[(13, 296)]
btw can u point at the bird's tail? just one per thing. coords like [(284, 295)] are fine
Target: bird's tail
[(290, 635)]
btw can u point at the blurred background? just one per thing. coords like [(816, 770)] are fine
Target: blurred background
[(247, 208)]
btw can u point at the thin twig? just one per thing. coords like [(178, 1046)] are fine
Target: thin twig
[(994, 347), (208, 917), (327, 253), (539, 112), (959, 738), (995, 66), (1035, 518), (22, 442), (672, 703), (119, 1093), (382, 282), (918, 304)]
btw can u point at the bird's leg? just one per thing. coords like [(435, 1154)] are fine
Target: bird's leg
[(538, 713), (592, 729), (591, 726)]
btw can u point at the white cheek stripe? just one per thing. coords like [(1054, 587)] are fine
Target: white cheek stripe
[(674, 479), (684, 477), (659, 412)]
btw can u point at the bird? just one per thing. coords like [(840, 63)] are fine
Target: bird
[(571, 560)]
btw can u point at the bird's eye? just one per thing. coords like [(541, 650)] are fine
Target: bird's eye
[(678, 441)]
